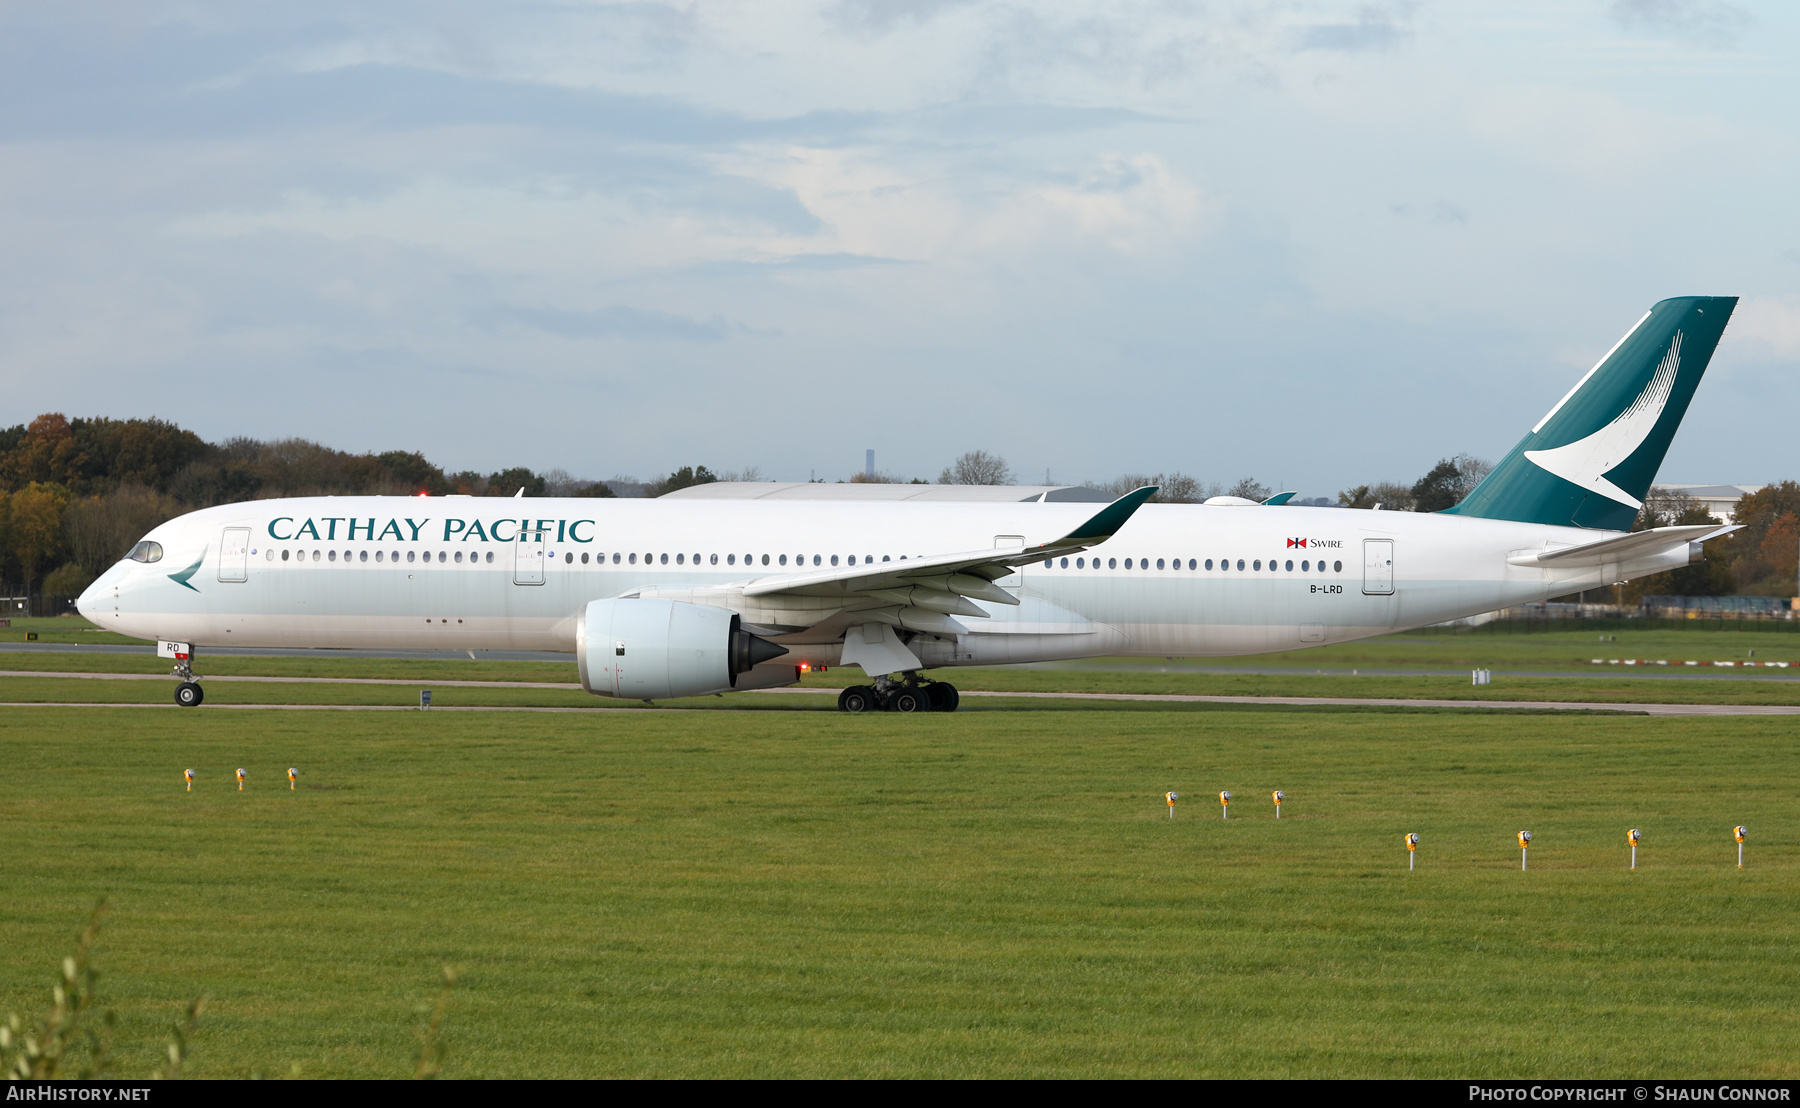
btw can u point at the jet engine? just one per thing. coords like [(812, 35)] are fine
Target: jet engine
[(658, 649)]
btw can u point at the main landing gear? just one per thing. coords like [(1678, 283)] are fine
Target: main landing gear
[(188, 694), (909, 695)]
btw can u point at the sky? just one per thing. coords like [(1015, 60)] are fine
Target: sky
[(1319, 244)]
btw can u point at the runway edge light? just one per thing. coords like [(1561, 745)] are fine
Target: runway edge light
[(1633, 836), (1412, 847), (293, 776), (1279, 796), (240, 776), (1524, 847), (1224, 804), (1171, 798), (188, 776), (1739, 833)]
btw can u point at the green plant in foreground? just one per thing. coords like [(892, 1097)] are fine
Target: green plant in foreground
[(42, 1052), (45, 1051), (431, 1051)]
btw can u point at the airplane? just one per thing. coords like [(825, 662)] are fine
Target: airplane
[(748, 586)]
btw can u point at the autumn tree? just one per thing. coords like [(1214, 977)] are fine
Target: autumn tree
[(34, 526)]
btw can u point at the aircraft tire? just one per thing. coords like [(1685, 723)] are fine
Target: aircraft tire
[(944, 697), (909, 699), (857, 699), (189, 694)]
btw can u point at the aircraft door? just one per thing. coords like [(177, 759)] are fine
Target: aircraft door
[(234, 554), (1378, 567), (1015, 580), (528, 558)]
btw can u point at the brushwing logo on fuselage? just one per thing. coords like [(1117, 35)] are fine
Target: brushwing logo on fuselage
[(1586, 461), (181, 577)]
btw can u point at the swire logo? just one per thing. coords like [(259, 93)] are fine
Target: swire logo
[(1301, 543), (1316, 544)]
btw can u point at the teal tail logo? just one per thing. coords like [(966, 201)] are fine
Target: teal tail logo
[(1590, 461), (180, 577)]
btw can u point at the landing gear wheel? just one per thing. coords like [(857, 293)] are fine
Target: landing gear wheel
[(944, 697), (909, 699), (189, 694), (857, 699)]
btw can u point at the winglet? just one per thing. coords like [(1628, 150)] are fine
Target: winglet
[(1107, 521), (1280, 498)]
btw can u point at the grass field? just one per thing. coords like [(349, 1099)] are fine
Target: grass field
[(792, 893)]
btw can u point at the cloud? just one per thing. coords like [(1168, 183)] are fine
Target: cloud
[(1375, 29), (1711, 22), (1440, 212), (881, 16), (611, 322), (1772, 322)]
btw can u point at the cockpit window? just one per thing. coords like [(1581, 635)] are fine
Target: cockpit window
[(145, 551)]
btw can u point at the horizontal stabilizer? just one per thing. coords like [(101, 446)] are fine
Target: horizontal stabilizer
[(1637, 544)]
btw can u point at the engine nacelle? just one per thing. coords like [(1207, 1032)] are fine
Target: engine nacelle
[(660, 649)]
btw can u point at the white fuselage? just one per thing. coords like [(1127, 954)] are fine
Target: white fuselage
[(472, 573)]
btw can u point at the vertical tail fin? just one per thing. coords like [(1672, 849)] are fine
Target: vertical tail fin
[(1590, 462)]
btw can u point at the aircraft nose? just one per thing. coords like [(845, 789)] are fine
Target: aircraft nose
[(88, 603)]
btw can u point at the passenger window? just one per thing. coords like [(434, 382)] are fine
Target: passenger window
[(1081, 563), (284, 555), (333, 556), (731, 559), (816, 559), (1159, 563), (583, 557), (1240, 564), (362, 556), (409, 555), (315, 555), (1128, 563), (1337, 567), (765, 559), (712, 559), (569, 558), (1304, 566), (1256, 564), (665, 559), (680, 559), (490, 557), (784, 559), (1209, 563), (1065, 563), (1290, 565), (459, 557), (834, 559), (885, 558), (1191, 563), (633, 559), (1112, 563)]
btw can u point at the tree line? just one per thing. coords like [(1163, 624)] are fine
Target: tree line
[(76, 493)]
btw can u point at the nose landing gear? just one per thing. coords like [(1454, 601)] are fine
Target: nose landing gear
[(188, 694), (910, 695)]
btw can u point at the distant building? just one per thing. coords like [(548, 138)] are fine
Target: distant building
[(1720, 501)]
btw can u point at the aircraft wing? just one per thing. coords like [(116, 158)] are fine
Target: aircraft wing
[(969, 573), (1620, 547)]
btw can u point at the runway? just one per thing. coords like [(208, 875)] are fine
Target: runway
[(1164, 698)]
